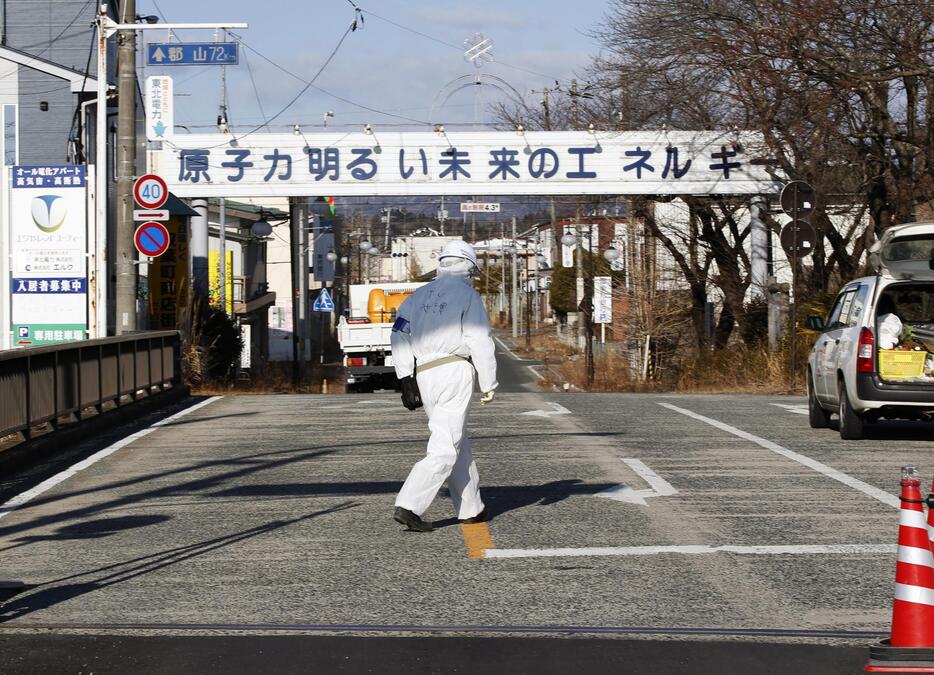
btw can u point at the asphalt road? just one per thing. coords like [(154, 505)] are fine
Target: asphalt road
[(255, 534)]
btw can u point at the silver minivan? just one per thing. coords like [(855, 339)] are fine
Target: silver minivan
[(844, 374)]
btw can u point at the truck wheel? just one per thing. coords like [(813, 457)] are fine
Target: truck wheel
[(817, 416), (851, 422)]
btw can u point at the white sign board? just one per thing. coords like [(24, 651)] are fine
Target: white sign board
[(48, 247), (483, 207), (464, 163), (602, 300), (160, 115), (246, 335), (150, 214)]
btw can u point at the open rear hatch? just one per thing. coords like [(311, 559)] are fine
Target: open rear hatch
[(905, 252)]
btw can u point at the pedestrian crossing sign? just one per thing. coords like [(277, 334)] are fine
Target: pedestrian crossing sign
[(323, 303)]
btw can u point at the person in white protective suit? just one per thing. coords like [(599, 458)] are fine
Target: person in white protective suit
[(437, 329)]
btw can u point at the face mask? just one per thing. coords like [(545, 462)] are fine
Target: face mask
[(455, 267)]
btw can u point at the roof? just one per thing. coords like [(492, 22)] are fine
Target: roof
[(79, 80), (177, 207), (245, 210)]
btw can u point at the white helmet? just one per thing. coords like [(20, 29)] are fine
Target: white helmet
[(459, 249)]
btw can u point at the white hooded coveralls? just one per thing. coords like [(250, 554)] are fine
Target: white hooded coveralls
[(444, 318)]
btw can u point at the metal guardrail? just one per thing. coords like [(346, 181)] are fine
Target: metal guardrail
[(45, 384)]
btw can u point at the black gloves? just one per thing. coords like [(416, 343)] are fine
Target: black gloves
[(411, 396)]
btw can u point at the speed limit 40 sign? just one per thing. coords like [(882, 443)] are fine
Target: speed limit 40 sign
[(150, 191)]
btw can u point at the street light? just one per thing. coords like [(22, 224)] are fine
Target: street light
[(261, 228), (569, 239), (373, 250), (611, 254), (365, 245), (344, 260), (331, 256)]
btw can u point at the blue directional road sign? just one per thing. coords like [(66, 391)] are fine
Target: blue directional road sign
[(323, 303), (193, 54)]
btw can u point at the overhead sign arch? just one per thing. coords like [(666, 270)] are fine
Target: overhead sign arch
[(466, 163)]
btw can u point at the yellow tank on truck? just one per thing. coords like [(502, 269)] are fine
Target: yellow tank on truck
[(382, 306)]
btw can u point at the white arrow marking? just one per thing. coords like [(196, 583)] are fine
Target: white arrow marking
[(658, 486), (558, 410), (158, 55), (799, 409)]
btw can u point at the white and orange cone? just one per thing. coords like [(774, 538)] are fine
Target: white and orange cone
[(911, 647)]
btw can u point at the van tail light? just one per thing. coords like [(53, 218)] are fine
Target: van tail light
[(865, 352), (355, 361)]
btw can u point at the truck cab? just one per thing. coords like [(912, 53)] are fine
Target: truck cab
[(365, 333)]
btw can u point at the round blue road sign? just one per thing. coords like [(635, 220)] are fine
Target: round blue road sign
[(152, 239)]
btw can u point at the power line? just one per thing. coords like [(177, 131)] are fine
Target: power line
[(259, 101), (295, 98), (323, 90)]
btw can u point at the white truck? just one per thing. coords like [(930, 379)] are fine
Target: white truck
[(364, 335)]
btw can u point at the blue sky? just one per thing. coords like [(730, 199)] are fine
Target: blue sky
[(381, 65)]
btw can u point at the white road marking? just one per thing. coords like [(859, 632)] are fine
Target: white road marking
[(344, 406), (535, 372), (659, 487), (24, 497), (798, 409), (558, 409), (830, 472), (790, 549), (508, 350)]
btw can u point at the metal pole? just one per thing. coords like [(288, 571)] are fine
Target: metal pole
[(295, 257), (199, 254), (320, 317), (794, 286), (528, 302), (98, 285), (388, 223), (579, 279), (303, 290), (222, 269), (538, 299), (502, 270), (124, 247), (515, 299), (5, 297), (588, 309)]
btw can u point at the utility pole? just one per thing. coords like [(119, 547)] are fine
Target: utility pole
[(388, 225), (125, 254), (515, 299), (295, 238), (222, 258), (546, 106), (588, 309)]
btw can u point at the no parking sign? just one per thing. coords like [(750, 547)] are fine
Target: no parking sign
[(152, 239)]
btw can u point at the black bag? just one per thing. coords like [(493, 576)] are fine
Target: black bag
[(411, 396)]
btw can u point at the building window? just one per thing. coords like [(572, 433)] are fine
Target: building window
[(10, 149)]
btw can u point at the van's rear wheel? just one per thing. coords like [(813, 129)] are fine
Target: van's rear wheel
[(851, 422), (817, 416)]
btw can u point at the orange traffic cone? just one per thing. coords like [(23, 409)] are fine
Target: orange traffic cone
[(911, 647)]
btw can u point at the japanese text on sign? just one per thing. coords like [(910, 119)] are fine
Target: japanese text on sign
[(468, 163)]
